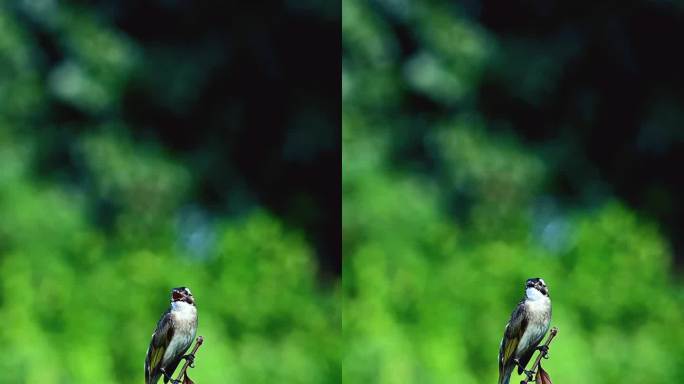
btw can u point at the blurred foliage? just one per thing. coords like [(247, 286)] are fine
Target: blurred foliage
[(233, 94), (446, 212), (99, 221)]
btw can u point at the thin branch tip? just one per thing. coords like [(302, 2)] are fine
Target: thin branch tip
[(189, 363), (536, 367)]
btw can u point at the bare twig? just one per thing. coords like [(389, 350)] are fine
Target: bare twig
[(552, 334), (199, 342)]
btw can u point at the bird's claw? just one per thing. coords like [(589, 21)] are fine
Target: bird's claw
[(544, 350), (529, 374), (191, 359)]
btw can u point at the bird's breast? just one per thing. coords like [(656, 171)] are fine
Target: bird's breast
[(185, 327), (539, 309), (538, 314)]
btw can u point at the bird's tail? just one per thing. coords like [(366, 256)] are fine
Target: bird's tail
[(505, 374)]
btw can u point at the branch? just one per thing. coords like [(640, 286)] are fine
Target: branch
[(189, 362), (543, 354)]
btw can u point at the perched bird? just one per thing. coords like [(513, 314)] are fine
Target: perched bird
[(175, 331), (525, 330)]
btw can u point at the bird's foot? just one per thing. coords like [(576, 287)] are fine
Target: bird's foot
[(544, 350), (191, 359), (529, 374)]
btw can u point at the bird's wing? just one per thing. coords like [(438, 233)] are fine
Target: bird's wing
[(155, 353), (514, 330)]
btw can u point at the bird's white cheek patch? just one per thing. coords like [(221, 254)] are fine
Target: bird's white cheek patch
[(533, 294)]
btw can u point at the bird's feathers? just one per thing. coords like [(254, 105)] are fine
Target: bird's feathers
[(155, 353), (525, 358), (171, 367), (512, 335), (524, 331), (175, 331), (505, 376)]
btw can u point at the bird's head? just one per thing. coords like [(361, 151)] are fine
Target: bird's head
[(182, 294), (538, 284)]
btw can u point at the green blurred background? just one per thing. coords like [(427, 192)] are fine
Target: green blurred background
[(170, 143), (488, 142)]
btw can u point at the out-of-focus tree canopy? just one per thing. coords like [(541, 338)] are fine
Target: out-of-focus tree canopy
[(477, 152), (149, 146), (244, 96)]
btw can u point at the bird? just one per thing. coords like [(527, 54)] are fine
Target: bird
[(526, 328), (175, 332)]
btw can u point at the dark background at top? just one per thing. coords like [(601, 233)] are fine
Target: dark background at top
[(606, 111), (262, 125), (618, 100)]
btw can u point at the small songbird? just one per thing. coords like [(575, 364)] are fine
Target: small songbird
[(175, 331), (525, 330)]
